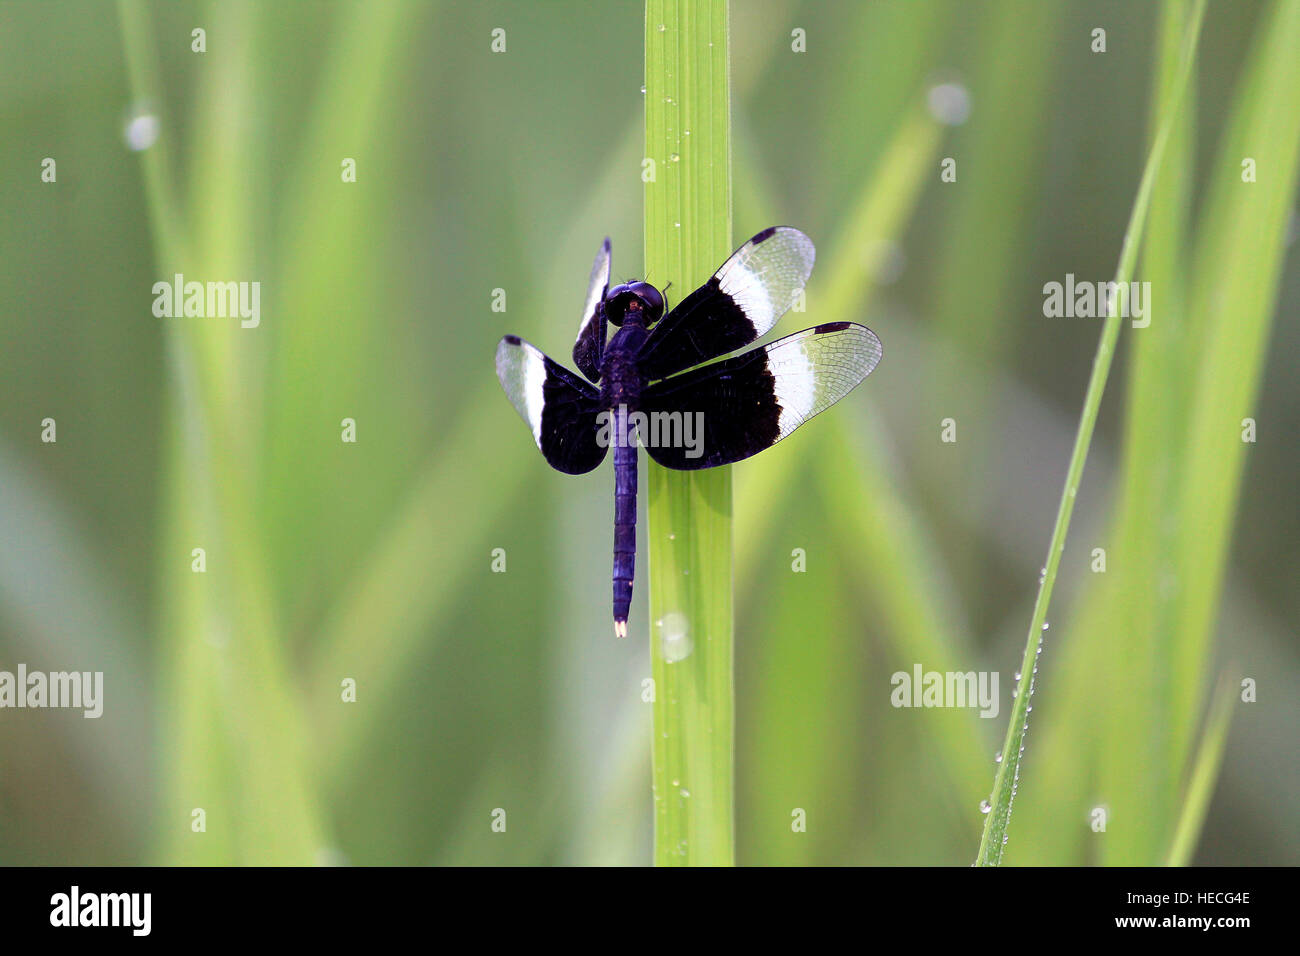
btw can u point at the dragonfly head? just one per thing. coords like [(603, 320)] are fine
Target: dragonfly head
[(640, 298)]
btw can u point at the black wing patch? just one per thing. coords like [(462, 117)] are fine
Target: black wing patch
[(751, 401), (590, 345), (740, 302), (560, 408)]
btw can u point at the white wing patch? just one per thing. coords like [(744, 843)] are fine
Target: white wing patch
[(521, 369), (796, 384), (812, 370), (764, 277), (597, 286)]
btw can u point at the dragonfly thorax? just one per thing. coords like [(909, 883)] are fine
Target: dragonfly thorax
[(621, 380)]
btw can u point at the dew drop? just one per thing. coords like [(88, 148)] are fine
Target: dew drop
[(141, 130), (674, 637), (674, 157), (985, 806), (949, 103), (997, 757)]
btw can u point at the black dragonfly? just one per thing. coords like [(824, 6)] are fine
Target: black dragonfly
[(654, 390)]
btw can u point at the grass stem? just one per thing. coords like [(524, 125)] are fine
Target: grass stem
[(688, 233), (998, 816)]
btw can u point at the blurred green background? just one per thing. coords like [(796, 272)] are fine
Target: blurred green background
[(478, 171)]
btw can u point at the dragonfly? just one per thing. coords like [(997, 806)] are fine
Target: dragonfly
[(653, 383)]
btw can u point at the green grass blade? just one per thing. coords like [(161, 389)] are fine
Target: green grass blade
[(1205, 771), (687, 234), (887, 544), (998, 817), (843, 286), (1237, 267), (383, 618), (237, 748), (1138, 779)]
